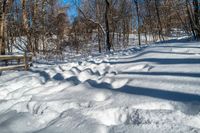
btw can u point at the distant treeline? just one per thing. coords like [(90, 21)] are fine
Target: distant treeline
[(42, 26)]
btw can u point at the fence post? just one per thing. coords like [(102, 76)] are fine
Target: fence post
[(25, 61)]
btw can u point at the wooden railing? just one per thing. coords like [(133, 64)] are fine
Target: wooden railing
[(21, 61)]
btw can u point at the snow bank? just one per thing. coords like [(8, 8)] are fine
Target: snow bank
[(156, 89)]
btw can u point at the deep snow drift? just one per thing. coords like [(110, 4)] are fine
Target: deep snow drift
[(153, 89)]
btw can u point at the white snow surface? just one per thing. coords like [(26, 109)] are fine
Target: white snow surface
[(140, 90)]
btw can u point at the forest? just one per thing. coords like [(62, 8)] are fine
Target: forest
[(44, 27)]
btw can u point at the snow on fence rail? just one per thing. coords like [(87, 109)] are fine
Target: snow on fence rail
[(25, 59)]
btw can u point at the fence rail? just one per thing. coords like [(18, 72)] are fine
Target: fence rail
[(23, 61)]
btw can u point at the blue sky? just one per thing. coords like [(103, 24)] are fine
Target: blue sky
[(72, 12)]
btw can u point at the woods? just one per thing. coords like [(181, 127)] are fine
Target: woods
[(31, 25), (43, 27)]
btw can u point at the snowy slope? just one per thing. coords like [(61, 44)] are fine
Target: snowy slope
[(156, 89)]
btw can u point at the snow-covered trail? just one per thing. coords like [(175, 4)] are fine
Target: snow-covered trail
[(156, 89)]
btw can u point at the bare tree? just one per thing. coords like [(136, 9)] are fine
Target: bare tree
[(107, 25), (138, 20), (2, 28)]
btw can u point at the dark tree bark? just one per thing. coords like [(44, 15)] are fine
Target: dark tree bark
[(98, 34), (160, 29), (2, 28), (107, 25), (196, 18), (190, 19), (138, 21)]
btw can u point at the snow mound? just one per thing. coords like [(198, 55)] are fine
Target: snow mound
[(153, 90)]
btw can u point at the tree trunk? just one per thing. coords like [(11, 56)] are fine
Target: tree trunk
[(193, 18), (2, 29), (108, 45), (98, 34), (25, 26), (196, 18), (160, 29), (24, 15), (138, 21)]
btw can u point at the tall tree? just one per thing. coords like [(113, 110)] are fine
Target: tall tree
[(138, 21), (159, 24), (2, 28), (197, 17), (107, 25)]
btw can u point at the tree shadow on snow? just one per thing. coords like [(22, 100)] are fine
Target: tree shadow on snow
[(162, 61), (150, 92), (154, 52), (175, 46), (194, 75), (182, 40), (162, 52)]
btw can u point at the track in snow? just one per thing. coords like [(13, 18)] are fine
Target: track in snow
[(154, 90)]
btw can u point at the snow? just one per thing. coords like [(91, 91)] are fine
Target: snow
[(151, 89)]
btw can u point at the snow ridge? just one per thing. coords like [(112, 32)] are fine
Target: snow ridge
[(156, 89)]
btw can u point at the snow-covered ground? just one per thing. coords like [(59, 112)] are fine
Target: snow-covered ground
[(153, 89)]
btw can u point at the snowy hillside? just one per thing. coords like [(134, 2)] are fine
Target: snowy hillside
[(153, 89)]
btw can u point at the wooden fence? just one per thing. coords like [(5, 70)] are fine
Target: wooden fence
[(21, 61)]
